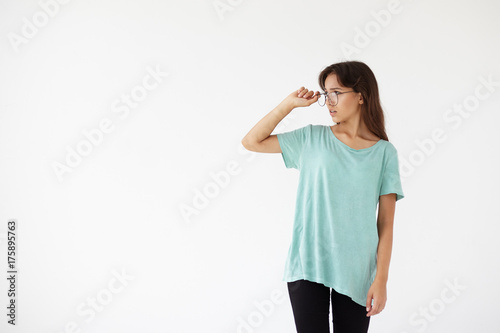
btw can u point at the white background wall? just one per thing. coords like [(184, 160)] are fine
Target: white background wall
[(119, 207)]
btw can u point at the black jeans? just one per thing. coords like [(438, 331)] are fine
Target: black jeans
[(311, 309)]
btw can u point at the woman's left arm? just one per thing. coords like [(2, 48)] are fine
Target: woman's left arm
[(385, 223)]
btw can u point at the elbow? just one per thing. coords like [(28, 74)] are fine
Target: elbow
[(246, 144)]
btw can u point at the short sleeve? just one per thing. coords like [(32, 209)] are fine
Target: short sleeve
[(391, 181), (292, 143)]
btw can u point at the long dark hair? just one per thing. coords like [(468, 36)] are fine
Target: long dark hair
[(360, 78)]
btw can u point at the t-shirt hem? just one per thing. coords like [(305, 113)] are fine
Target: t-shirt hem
[(399, 195), (327, 284)]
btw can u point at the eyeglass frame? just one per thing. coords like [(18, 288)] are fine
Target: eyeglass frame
[(328, 97)]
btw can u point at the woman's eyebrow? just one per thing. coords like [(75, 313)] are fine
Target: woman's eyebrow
[(334, 88)]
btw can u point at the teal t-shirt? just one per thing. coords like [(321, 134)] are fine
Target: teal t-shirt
[(335, 237)]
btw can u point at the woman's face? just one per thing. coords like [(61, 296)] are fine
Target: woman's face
[(348, 104)]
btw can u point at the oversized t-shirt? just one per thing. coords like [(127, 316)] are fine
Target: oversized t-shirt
[(335, 237)]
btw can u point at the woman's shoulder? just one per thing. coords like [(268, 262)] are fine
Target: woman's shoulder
[(388, 147)]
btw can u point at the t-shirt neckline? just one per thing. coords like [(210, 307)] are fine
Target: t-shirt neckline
[(348, 147)]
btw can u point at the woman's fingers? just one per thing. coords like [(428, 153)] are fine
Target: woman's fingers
[(302, 92), (308, 94), (305, 93), (306, 97)]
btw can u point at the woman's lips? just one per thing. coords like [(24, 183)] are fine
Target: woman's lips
[(332, 113)]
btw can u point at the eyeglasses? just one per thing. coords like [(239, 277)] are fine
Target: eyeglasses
[(333, 97)]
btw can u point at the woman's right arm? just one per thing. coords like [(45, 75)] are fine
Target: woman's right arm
[(258, 139)]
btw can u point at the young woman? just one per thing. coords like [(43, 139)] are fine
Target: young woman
[(339, 240)]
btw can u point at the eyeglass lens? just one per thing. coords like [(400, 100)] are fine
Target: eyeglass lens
[(331, 97)]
